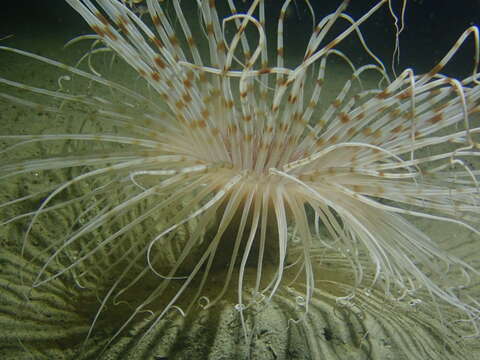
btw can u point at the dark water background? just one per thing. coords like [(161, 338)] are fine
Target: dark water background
[(432, 26)]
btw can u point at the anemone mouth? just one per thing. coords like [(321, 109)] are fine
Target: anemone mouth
[(223, 179)]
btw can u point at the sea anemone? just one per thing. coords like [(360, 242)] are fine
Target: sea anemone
[(211, 172)]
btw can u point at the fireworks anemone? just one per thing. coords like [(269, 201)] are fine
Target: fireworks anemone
[(219, 176)]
